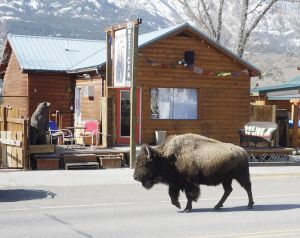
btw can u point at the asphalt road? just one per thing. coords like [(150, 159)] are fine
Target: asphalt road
[(109, 203)]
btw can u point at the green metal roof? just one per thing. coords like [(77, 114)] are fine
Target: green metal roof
[(52, 54), (294, 83)]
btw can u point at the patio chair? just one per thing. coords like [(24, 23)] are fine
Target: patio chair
[(59, 136), (90, 133)]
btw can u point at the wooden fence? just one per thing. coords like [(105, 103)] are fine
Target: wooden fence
[(263, 113), (13, 139)]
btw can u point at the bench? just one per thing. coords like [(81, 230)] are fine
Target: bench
[(257, 132)]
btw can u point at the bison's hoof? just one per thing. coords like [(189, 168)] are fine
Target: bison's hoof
[(218, 207), (176, 204), (187, 210), (250, 205)]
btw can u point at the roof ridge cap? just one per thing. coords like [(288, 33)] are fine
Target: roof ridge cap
[(51, 37)]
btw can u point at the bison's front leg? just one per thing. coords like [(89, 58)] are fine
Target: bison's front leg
[(174, 195), (192, 192)]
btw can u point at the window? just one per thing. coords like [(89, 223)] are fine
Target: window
[(174, 103)]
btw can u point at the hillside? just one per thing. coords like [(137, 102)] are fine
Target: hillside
[(277, 34)]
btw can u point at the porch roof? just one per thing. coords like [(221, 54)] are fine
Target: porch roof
[(293, 83)]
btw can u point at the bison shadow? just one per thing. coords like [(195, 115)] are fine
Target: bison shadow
[(256, 208), (15, 195)]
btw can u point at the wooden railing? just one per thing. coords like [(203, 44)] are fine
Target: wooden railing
[(13, 139)]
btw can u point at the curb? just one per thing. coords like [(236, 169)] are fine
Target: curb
[(256, 164)]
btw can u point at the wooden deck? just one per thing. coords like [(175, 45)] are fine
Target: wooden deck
[(116, 157), (107, 157), (269, 154)]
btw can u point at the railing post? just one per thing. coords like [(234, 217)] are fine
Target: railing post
[(26, 155), (4, 118)]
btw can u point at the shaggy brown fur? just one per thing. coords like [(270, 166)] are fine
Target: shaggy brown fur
[(185, 161)]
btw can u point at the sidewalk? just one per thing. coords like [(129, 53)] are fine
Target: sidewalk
[(62, 178)]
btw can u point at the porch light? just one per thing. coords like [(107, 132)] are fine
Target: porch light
[(86, 76)]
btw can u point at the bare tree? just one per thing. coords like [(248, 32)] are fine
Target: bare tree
[(247, 25), (3, 33), (210, 16), (205, 14)]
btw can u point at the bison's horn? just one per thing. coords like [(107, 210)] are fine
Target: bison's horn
[(148, 152)]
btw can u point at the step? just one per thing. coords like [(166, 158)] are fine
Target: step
[(82, 165), (80, 158)]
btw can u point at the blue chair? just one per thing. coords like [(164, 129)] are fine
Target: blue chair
[(56, 134)]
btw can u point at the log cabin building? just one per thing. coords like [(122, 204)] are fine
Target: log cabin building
[(186, 82), (34, 69), (285, 96)]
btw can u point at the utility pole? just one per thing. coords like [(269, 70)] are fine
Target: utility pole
[(134, 54)]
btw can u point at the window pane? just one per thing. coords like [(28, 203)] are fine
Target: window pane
[(125, 113), (174, 103), (165, 103), (185, 103)]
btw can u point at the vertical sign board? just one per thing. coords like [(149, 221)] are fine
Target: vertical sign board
[(130, 54), (125, 47), (123, 55), (120, 58)]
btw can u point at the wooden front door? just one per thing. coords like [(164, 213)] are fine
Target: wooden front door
[(123, 116)]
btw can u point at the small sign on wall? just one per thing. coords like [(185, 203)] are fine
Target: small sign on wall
[(88, 91)]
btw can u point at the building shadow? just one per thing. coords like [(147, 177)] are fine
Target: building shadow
[(15, 195), (256, 208)]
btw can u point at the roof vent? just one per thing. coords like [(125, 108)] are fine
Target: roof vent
[(183, 34)]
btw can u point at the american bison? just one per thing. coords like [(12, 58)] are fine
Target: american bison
[(186, 161)]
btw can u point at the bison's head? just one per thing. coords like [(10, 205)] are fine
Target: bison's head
[(146, 167)]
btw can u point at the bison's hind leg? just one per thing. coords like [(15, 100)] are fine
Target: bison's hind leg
[(246, 184), (174, 195), (227, 190)]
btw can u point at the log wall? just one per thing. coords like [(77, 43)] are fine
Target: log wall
[(58, 89), (224, 102), (90, 107), (15, 87)]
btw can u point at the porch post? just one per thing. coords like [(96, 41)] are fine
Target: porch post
[(295, 105)]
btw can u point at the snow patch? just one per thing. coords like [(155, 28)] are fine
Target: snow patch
[(96, 3), (33, 4)]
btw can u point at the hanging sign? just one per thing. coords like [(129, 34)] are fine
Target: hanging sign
[(120, 52), (123, 47)]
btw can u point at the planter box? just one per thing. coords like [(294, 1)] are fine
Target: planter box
[(39, 149), (47, 163), (110, 161)]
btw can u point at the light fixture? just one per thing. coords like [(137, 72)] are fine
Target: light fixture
[(86, 76)]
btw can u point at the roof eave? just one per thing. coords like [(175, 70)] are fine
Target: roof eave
[(277, 89), (86, 69), (43, 71)]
